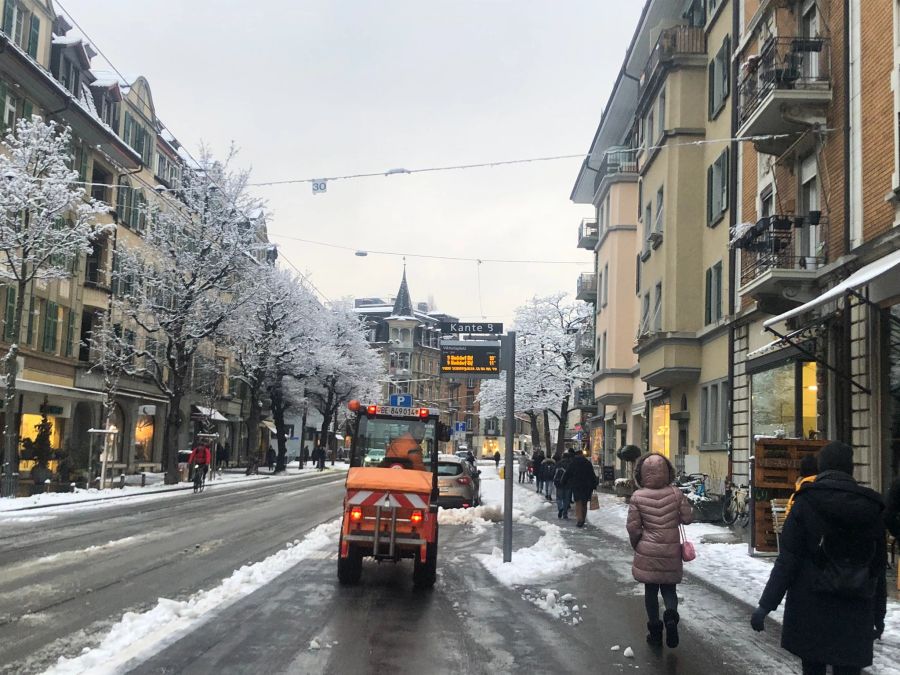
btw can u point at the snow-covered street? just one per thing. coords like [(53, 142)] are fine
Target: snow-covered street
[(244, 579)]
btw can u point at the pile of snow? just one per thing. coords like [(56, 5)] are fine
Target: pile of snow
[(562, 607), (140, 634)]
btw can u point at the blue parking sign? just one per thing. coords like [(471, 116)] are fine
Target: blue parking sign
[(401, 400)]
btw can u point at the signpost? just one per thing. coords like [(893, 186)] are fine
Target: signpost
[(470, 358), (482, 359)]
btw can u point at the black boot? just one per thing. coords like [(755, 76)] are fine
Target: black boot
[(654, 634), (670, 618)]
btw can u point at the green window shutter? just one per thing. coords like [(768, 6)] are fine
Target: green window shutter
[(726, 67), (48, 344), (10, 314), (114, 276), (126, 130), (33, 36), (2, 106), (27, 109), (711, 106), (709, 195), (708, 310), (9, 8), (70, 334), (725, 183), (29, 333)]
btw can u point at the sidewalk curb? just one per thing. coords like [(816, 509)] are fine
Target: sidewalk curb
[(128, 496)]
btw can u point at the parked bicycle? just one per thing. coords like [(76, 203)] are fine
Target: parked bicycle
[(736, 505), (199, 477), (693, 484)]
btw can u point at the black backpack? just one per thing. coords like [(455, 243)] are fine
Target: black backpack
[(844, 564), (558, 476)]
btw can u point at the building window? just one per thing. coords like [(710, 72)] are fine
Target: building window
[(70, 76), (603, 347), (719, 79), (637, 275), (809, 202), (717, 190), (136, 136), (713, 307), (651, 129), (22, 26), (29, 332), (70, 334), (661, 115), (784, 401), (604, 287), (645, 316), (660, 211), (713, 413), (9, 104), (657, 309)]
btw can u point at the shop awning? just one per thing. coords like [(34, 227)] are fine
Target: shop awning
[(270, 425), (210, 413), (54, 389), (856, 280)]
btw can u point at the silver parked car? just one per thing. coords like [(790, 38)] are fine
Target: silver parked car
[(458, 483)]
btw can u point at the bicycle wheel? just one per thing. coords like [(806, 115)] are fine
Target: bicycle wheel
[(729, 509), (744, 516)]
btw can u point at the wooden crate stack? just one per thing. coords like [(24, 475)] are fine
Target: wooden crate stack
[(776, 470)]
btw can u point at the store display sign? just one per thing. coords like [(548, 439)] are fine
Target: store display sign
[(470, 358)]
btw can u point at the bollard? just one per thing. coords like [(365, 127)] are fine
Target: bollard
[(122, 481), (143, 479), (72, 487), (47, 485)]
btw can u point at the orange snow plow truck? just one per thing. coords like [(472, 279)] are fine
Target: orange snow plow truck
[(390, 506)]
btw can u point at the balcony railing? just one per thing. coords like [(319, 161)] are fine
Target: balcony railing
[(781, 242), (784, 64), (588, 233), (672, 42), (584, 397), (617, 161), (584, 342), (587, 287)]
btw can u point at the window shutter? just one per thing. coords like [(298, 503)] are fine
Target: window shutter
[(29, 333), (708, 313), (3, 106), (724, 173), (711, 107), (709, 195), (27, 109), (9, 9), (83, 165), (726, 69), (33, 36)]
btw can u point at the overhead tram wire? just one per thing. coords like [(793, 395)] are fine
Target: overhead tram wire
[(431, 256)]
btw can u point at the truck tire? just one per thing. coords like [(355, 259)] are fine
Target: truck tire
[(425, 573), (350, 568)]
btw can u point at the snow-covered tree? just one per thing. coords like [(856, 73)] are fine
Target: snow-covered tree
[(271, 336), (46, 222), (189, 274), (547, 366), (346, 367)]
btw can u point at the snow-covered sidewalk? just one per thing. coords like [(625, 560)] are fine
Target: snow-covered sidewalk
[(731, 570), (154, 489)]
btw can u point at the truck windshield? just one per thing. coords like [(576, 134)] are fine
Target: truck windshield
[(390, 441)]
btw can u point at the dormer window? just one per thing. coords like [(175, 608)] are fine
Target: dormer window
[(70, 76), (22, 26)]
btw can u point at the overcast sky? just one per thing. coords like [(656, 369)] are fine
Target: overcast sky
[(339, 87)]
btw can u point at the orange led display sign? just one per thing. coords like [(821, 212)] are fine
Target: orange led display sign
[(470, 358)]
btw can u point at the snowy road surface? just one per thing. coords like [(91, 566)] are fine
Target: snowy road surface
[(68, 574), (566, 604)]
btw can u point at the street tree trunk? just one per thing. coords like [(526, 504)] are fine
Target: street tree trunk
[(334, 441), (11, 430), (535, 431), (561, 433), (547, 442), (327, 412), (254, 415), (278, 409), (170, 446)]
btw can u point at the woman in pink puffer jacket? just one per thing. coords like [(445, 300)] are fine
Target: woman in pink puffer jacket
[(654, 515)]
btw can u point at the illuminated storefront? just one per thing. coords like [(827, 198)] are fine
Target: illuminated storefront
[(659, 428), (784, 400), (143, 438)]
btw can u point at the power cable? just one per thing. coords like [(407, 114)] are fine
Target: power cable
[(430, 256)]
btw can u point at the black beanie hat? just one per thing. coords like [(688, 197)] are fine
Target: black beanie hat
[(809, 465), (836, 456)]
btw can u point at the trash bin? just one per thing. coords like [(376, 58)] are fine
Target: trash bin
[(182, 471), (503, 472)]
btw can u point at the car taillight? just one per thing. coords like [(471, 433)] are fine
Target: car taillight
[(356, 513), (463, 480), (416, 517)]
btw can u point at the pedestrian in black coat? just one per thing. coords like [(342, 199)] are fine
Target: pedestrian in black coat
[(892, 514), (821, 627), (536, 458), (582, 481)]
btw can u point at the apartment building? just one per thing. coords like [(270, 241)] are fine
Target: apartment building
[(816, 261), (122, 149), (659, 176)]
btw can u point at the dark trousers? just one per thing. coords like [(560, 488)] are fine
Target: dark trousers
[(563, 500), (522, 476), (810, 668), (651, 599)]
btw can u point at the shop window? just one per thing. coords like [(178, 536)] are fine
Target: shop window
[(784, 401), (659, 428), (143, 438), (28, 430)]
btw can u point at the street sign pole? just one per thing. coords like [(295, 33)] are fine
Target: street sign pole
[(509, 353)]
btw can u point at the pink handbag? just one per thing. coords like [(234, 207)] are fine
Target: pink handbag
[(688, 552)]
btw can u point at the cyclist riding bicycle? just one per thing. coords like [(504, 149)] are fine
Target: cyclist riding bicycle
[(201, 459)]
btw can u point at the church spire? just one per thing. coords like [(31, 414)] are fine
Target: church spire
[(403, 303)]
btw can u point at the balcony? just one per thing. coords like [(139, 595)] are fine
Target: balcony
[(587, 288), (673, 43), (779, 258), (584, 399), (786, 89), (584, 343), (619, 164), (588, 233), (613, 387), (669, 359)]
